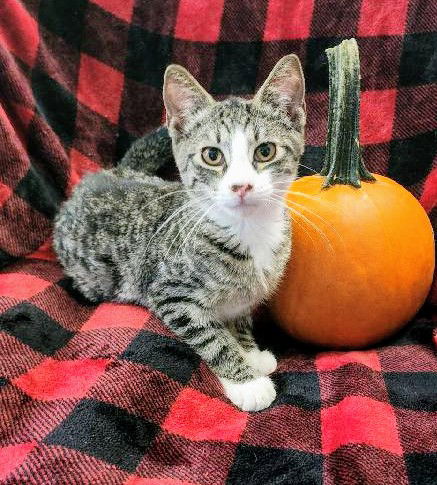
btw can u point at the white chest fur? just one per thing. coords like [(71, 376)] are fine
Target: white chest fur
[(260, 237)]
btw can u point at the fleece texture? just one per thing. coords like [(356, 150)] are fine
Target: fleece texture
[(105, 394)]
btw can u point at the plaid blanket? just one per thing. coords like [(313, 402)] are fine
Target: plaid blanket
[(106, 394)]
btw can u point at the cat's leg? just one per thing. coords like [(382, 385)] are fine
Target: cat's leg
[(218, 348), (263, 361)]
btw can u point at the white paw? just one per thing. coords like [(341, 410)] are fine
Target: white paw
[(262, 361), (252, 395)]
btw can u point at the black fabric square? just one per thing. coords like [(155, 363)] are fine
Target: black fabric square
[(34, 328), (6, 259), (55, 104), (312, 160), (148, 56), (3, 381), (40, 191), (418, 60), (412, 390), (167, 355), (106, 432), (232, 75), (411, 159), (67, 285), (124, 141), (316, 66), (65, 19), (421, 468), (257, 466), (299, 389)]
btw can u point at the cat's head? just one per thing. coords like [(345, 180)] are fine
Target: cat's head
[(237, 156)]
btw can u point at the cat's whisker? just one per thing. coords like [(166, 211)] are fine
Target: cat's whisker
[(309, 168), (173, 215), (299, 223), (191, 217), (329, 224), (308, 221), (302, 194), (193, 228), (325, 221)]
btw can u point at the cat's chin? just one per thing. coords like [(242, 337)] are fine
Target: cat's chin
[(245, 209)]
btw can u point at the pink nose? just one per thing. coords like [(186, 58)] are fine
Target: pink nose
[(241, 189)]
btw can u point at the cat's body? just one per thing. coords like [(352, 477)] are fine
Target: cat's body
[(203, 252), (128, 258)]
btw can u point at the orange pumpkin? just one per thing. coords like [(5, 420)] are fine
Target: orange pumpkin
[(363, 247)]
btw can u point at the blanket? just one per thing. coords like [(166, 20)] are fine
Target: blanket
[(105, 394)]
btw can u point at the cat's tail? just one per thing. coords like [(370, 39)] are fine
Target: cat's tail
[(150, 153)]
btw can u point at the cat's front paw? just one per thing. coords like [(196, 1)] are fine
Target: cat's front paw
[(252, 395), (262, 361)]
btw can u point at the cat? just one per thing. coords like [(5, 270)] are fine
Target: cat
[(202, 252)]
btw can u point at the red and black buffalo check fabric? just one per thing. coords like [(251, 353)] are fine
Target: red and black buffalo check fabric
[(106, 394)]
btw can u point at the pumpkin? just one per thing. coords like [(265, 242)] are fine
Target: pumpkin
[(362, 258)]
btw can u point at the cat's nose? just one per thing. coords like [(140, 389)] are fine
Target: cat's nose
[(241, 189)]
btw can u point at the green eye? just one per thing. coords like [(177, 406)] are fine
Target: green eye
[(265, 152), (212, 156)]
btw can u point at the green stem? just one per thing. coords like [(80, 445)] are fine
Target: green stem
[(343, 162)]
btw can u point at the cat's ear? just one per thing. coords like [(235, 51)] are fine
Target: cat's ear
[(285, 86), (183, 96)]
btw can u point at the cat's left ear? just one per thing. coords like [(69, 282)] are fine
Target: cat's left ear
[(183, 96), (285, 86)]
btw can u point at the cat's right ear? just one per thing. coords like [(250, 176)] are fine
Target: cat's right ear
[(183, 96)]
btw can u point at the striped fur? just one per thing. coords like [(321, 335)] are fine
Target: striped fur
[(186, 249)]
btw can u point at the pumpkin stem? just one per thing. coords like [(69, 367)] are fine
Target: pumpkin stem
[(343, 162)]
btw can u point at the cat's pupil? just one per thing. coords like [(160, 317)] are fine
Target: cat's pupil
[(264, 150), (213, 154)]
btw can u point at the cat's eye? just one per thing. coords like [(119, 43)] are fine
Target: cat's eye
[(212, 156), (265, 152)]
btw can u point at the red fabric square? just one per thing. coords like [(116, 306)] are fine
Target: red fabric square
[(199, 417), (21, 286), (377, 114), (288, 19), (332, 360), (358, 419), (18, 31), (100, 87), (110, 315), (57, 379), (12, 456), (80, 165), (199, 21), (382, 17), (121, 9)]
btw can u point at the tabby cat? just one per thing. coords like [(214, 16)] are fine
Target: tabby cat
[(202, 252)]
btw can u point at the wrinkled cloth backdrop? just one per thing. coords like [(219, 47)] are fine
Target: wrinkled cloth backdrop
[(105, 394)]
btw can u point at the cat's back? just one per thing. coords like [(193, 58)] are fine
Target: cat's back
[(108, 217), (107, 198)]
